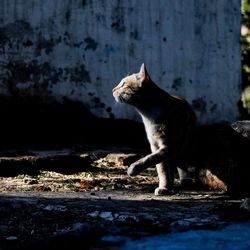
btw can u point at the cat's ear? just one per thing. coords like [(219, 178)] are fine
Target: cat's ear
[(143, 74)]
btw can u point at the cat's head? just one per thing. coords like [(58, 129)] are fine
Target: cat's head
[(130, 88)]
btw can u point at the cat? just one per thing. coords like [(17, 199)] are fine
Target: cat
[(170, 124)]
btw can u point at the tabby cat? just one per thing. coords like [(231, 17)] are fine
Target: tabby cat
[(169, 123)]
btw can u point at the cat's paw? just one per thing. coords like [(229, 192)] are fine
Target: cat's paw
[(133, 170), (164, 191)]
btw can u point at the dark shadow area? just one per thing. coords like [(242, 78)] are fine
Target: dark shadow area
[(223, 151), (244, 114), (65, 161), (31, 165), (32, 123)]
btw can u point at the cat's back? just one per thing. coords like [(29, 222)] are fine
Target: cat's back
[(183, 109), (174, 110), (176, 124)]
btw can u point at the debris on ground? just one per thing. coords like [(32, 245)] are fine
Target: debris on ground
[(97, 202)]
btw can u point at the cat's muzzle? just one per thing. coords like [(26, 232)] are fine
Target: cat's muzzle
[(120, 97), (117, 97)]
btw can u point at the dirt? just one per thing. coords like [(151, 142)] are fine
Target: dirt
[(83, 197)]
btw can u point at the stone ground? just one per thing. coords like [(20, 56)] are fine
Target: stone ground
[(62, 198)]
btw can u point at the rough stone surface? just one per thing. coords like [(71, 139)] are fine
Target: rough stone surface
[(65, 219)]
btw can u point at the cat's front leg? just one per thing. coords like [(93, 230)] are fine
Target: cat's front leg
[(166, 179), (135, 168), (147, 161)]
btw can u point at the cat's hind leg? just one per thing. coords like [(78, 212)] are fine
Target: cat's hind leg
[(185, 178)]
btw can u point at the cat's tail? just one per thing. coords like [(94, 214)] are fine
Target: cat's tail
[(242, 127)]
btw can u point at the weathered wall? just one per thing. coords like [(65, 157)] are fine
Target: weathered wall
[(80, 49)]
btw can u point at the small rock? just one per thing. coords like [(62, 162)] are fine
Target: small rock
[(94, 214), (78, 226), (193, 220), (180, 225), (55, 208), (11, 237), (147, 217), (113, 240), (106, 216), (127, 218), (62, 231)]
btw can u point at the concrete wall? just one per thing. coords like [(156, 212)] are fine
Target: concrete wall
[(80, 49)]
